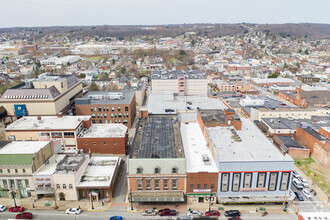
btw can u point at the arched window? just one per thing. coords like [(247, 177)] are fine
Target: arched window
[(174, 170), (139, 170), (157, 170)]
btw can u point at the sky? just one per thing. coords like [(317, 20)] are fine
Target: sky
[(28, 13)]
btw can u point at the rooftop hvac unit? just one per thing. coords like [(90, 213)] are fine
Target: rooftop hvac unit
[(205, 158)]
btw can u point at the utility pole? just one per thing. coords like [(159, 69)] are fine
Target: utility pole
[(13, 194), (210, 200), (91, 195), (131, 199)]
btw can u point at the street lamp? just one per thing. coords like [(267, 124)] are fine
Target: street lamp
[(131, 199), (210, 200), (13, 194), (92, 200)]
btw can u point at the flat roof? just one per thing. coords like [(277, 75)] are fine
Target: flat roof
[(50, 168), (23, 147), (70, 163), (99, 172), (286, 109), (248, 144), (47, 123), (157, 103), (101, 98), (273, 80), (198, 155), (289, 141), (212, 116), (158, 137), (104, 130)]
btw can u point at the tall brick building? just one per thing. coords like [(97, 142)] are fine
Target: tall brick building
[(108, 107)]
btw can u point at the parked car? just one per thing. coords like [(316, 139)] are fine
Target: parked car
[(295, 174), (16, 209), (297, 184), (189, 108), (299, 196), (307, 194), (2, 208), (194, 213), (212, 213), (169, 110), (150, 212), (189, 103), (167, 212), (76, 211), (116, 218), (232, 213), (24, 215), (304, 182), (184, 218)]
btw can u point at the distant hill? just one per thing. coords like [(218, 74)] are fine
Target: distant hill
[(315, 31)]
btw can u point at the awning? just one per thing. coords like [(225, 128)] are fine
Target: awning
[(158, 196), (94, 192)]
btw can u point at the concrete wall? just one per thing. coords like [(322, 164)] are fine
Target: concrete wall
[(160, 86)]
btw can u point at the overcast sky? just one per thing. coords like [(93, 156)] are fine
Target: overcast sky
[(16, 13)]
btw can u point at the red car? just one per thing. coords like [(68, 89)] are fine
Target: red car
[(166, 212), (17, 209), (234, 218), (212, 213), (24, 215)]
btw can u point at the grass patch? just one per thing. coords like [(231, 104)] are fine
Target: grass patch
[(95, 58), (317, 175)]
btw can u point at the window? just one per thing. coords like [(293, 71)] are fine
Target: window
[(261, 180), (12, 183), (139, 170), (101, 116), (105, 121), (93, 121), (92, 109), (5, 184), (115, 143), (272, 181), (68, 134), (127, 115), (115, 115), (107, 109), (198, 186), (100, 109), (174, 184), (8, 170), (165, 184), (139, 184), (285, 181), (70, 186), (119, 109), (125, 121), (191, 186), (212, 186), (205, 186), (100, 121), (157, 187), (56, 134), (0, 170), (58, 186), (83, 194), (27, 184), (86, 143), (104, 109), (105, 143), (119, 115), (126, 108), (174, 170), (111, 115), (148, 184), (112, 108), (157, 170), (64, 186), (94, 143), (247, 180), (98, 115), (105, 115), (224, 182)]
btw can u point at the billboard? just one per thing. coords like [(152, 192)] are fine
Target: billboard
[(20, 110)]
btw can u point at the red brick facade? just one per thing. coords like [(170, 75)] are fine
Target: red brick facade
[(132, 182), (202, 180), (104, 145)]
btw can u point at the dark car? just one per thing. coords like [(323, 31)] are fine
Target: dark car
[(169, 110), (212, 213), (24, 215), (167, 212), (16, 209), (232, 213), (234, 218), (189, 108), (116, 218), (299, 196), (189, 103)]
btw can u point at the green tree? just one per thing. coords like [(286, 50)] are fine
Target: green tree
[(285, 65), (182, 53), (274, 75), (113, 61), (306, 52), (122, 70), (82, 75), (93, 87), (192, 43), (298, 65)]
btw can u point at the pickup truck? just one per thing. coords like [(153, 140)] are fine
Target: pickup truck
[(166, 212)]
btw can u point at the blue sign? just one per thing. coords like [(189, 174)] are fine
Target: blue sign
[(20, 110)]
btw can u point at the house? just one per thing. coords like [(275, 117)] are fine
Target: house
[(312, 98)]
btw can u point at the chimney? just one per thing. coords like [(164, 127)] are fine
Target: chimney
[(39, 118), (90, 154), (60, 115), (314, 121)]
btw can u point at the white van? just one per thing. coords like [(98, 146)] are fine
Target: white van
[(297, 184)]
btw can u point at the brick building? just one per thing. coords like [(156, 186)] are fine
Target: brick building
[(289, 145), (312, 98), (157, 165), (104, 139), (108, 107)]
